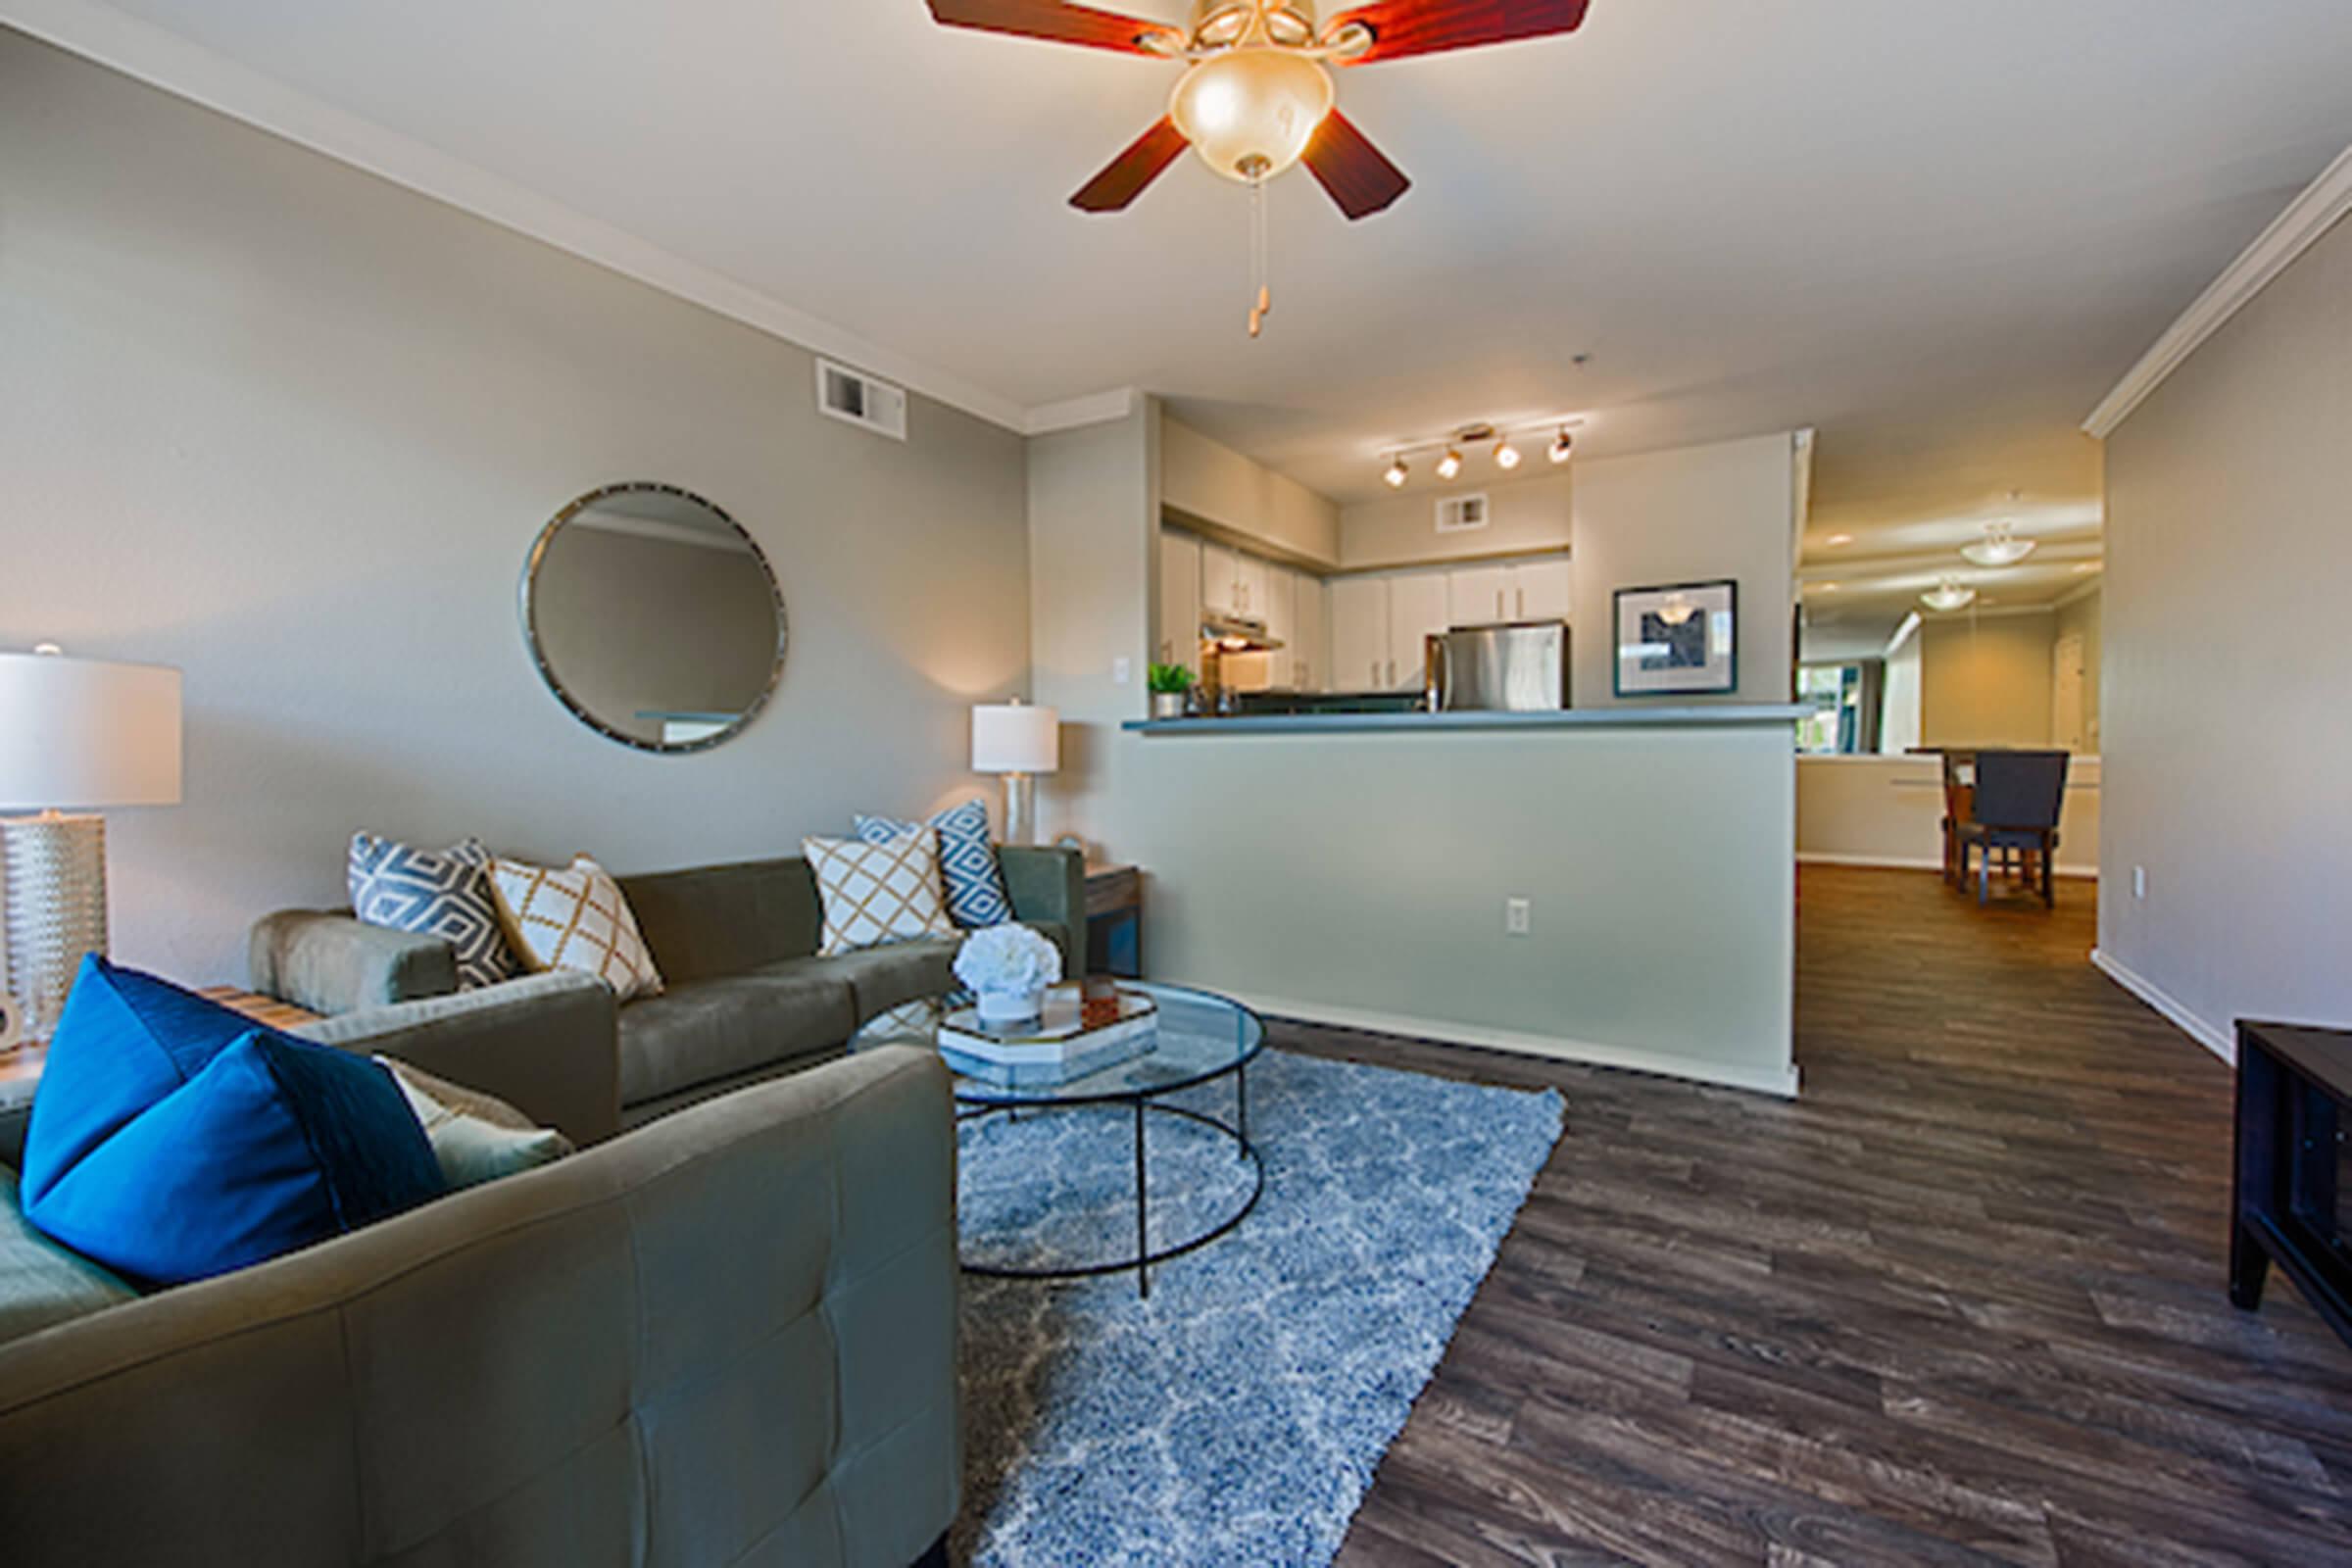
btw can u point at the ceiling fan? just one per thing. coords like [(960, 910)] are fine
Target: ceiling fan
[(1256, 96)]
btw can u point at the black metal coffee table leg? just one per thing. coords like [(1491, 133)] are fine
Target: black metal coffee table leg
[(1142, 1242)]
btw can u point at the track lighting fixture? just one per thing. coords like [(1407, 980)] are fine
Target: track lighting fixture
[(1501, 442)]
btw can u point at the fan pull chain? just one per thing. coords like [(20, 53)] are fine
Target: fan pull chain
[(1261, 291)]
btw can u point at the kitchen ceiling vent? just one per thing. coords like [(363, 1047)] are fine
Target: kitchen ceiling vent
[(1461, 513), (860, 400)]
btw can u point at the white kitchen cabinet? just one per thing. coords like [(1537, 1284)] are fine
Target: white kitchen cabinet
[(1310, 652), (1251, 584), (1281, 626), (1478, 595), (1542, 590), (1416, 611), (1179, 639), (1359, 635), (1220, 580)]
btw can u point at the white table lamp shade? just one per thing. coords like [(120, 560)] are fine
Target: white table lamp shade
[(75, 733), (86, 732), (1015, 738)]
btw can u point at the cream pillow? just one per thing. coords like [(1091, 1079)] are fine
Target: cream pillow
[(875, 894), (475, 1139), (574, 918)]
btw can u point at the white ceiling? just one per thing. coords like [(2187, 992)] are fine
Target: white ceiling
[(1937, 233)]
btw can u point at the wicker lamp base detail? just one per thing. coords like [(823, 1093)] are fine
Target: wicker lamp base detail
[(55, 871)]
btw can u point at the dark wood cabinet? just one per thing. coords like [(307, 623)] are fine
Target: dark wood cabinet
[(2293, 1087)]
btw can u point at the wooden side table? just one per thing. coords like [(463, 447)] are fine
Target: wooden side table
[(1114, 921), (21, 1070)]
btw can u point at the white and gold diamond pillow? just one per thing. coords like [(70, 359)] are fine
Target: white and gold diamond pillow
[(574, 918), (875, 894)]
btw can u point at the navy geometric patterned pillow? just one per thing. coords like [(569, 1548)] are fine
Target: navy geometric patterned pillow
[(967, 861), (445, 895)]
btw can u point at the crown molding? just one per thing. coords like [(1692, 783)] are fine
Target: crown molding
[(2292, 232), (164, 59), (1098, 408), (2088, 586)]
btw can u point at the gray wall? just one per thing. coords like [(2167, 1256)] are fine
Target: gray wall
[(1985, 680), (1535, 512), (293, 429), (2225, 725), (1691, 515)]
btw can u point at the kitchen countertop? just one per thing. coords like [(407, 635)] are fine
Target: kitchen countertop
[(1685, 716)]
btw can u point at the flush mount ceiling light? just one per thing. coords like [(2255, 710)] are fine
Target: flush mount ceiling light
[(1256, 95), (1501, 440), (2000, 545), (1949, 595), (1839, 539)]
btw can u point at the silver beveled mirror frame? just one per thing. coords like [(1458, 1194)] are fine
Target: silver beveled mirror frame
[(547, 673)]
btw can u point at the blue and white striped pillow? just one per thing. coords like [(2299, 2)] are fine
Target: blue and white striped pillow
[(976, 895)]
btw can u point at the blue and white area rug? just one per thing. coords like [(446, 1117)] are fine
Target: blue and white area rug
[(1237, 1415)]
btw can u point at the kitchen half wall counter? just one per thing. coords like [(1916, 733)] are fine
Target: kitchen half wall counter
[(1426, 723), (1359, 870)]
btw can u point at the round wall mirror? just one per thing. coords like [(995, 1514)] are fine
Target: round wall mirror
[(653, 618)]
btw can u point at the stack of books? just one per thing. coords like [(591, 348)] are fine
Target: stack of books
[(1066, 1043)]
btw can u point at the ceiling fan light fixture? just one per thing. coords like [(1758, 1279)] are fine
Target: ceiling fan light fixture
[(1397, 473), (1506, 456), (1562, 444), (1449, 464), (1251, 113)]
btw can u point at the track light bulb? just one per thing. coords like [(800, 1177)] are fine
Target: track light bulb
[(1449, 464), (1506, 456), (1397, 473), (1561, 448)]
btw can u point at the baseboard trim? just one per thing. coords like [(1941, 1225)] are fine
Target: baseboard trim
[(1779, 1082), (1906, 863), (2220, 1042)]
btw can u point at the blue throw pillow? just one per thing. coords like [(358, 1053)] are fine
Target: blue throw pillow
[(443, 893), (171, 1139), (976, 895)]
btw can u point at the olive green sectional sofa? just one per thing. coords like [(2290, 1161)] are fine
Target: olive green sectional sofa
[(746, 996), (726, 1337)]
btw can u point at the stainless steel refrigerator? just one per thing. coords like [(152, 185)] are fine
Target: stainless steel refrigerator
[(1520, 668)]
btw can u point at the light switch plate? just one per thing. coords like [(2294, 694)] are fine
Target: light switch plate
[(1518, 917), (1120, 671)]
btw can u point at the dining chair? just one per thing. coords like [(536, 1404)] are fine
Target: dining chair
[(1956, 808), (2015, 806)]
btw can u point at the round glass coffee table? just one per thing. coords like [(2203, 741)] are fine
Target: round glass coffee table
[(1201, 1037)]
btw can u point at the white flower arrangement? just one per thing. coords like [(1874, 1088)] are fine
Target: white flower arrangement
[(1010, 959)]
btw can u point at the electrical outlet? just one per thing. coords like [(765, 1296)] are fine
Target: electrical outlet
[(1518, 917), (2139, 881), (1121, 670)]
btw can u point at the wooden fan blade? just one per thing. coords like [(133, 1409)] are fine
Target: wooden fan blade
[(1356, 174), (1126, 175), (1059, 23), (1402, 27)]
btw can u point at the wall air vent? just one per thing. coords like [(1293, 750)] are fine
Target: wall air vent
[(860, 400), (1461, 513)]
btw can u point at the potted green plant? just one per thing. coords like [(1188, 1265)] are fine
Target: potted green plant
[(1171, 685)]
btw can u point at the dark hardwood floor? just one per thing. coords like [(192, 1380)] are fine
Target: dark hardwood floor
[(1963, 1302)]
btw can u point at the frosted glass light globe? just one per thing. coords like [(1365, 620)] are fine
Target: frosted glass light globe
[(1249, 114)]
